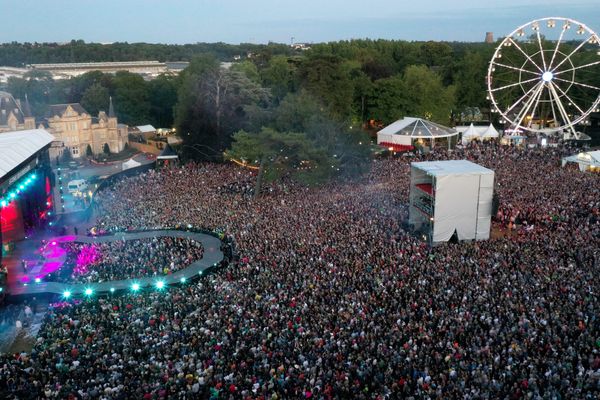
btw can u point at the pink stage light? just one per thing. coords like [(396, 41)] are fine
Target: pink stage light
[(86, 257)]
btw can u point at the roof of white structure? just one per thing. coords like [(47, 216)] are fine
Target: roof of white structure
[(587, 157), (490, 132), (471, 132), (146, 128), (417, 128), (18, 146), (451, 167)]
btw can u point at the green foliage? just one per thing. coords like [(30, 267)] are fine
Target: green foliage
[(280, 75), (106, 148), (17, 54), (131, 98), (470, 80), (426, 96), (327, 77), (214, 103), (95, 99), (283, 154), (88, 151), (388, 101), (247, 68), (66, 155), (162, 92)]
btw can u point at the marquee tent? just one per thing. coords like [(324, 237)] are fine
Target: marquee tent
[(470, 134), (405, 133), (130, 164), (490, 133), (589, 160)]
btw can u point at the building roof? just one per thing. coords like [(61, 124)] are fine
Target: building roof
[(471, 132), (59, 109), (146, 128), (490, 132), (167, 154), (16, 147), (451, 167), (417, 128), (585, 158), (8, 104)]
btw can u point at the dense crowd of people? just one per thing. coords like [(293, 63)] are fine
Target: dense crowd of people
[(332, 297), (126, 259)]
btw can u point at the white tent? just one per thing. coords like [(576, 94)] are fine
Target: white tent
[(589, 160), (490, 133), (449, 196), (130, 164), (470, 134), (403, 134)]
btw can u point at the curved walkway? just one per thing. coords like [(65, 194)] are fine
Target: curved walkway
[(212, 256)]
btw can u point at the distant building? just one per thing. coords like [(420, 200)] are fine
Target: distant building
[(75, 130), (147, 69), (13, 117), (489, 37), (300, 46)]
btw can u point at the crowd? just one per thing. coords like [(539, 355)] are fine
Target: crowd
[(126, 259), (333, 298)]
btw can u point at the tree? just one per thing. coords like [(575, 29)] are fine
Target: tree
[(295, 111), (388, 101), (426, 96), (280, 154), (88, 151), (95, 99), (214, 103), (106, 149), (131, 97), (470, 81), (328, 79), (66, 155), (248, 68), (163, 97), (280, 75), (300, 112)]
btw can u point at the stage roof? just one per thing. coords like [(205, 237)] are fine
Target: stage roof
[(16, 147), (452, 167)]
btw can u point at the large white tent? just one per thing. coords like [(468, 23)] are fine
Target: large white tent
[(587, 160), (451, 196), (130, 164), (490, 133), (470, 134), (405, 133)]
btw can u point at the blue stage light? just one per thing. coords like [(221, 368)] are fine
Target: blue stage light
[(135, 287), (160, 285), (88, 291), (66, 294), (182, 280)]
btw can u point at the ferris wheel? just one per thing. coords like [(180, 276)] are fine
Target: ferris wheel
[(544, 77)]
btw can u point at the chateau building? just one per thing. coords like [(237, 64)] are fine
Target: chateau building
[(75, 130), (13, 117)]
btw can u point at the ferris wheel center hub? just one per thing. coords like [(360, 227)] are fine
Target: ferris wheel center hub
[(547, 76)]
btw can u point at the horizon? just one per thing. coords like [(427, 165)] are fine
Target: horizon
[(267, 21)]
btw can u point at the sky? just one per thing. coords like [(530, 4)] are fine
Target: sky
[(261, 21)]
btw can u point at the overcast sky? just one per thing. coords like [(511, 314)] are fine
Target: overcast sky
[(260, 21)]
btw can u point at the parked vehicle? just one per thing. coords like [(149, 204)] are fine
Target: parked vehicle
[(77, 186)]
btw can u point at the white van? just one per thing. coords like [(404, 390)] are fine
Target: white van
[(77, 186)]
